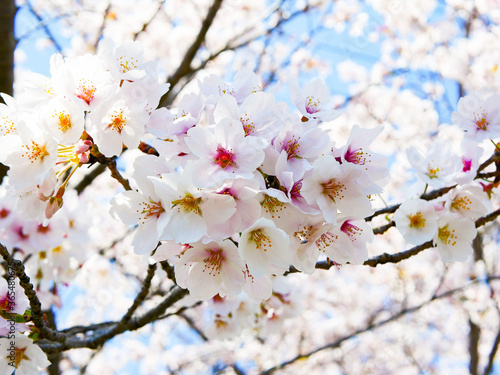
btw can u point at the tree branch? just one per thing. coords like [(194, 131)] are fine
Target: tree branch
[(185, 66)]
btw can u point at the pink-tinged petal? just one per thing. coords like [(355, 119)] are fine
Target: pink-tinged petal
[(203, 284)]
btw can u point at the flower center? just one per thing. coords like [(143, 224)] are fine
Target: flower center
[(432, 171), (333, 189), (86, 91), (224, 158), (150, 210), (325, 240), (261, 240), (35, 152), (64, 121), (118, 121), (482, 123), (20, 356), (7, 125), (467, 165), (351, 230), (461, 203), (312, 105), (127, 64), (272, 206), (446, 236), (291, 147), (213, 263), (188, 204), (4, 303), (417, 220), (355, 156), (248, 126)]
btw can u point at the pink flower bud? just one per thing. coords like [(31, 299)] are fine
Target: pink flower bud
[(82, 146), (54, 205)]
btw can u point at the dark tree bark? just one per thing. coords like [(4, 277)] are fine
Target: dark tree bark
[(7, 45)]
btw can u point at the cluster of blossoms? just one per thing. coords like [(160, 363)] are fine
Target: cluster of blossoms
[(243, 188), (237, 189), (450, 220)]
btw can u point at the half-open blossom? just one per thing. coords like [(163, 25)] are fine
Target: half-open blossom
[(416, 220)]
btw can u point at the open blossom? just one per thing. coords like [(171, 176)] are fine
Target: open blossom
[(257, 114), (30, 155), (467, 201), (332, 187), (439, 167), (27, 358), (453, 238), (313, 100), (247, 212), (148, 211), (224, 152), (124, 61), (191, 209), (212, 268), (64, 120), (244, 83), (263, 245), (84, 80), (416, 220), (478, 117), (116, 125), (299, 146)]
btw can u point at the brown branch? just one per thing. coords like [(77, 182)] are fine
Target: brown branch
[(141, 296), (106, 331), (116, 174), (89, 177), (103, 26), (148, 22), (474, 335), (45, 27), (185, 66), (491, 357)]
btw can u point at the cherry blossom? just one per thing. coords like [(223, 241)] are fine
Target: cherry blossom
[(454, 237), (27, 357), (478, 117), (417, 221), (262, 245), (213, 268)]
